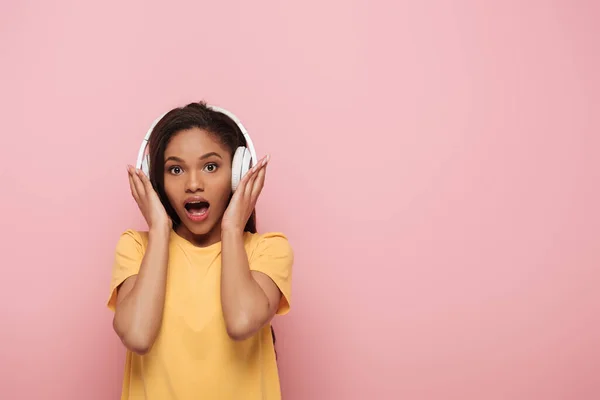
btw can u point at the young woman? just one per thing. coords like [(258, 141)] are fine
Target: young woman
[(193, 297)]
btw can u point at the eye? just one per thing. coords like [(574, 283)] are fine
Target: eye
[(175, 170), (212, 167)]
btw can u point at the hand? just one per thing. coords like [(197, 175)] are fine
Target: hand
[(244, 199), (147, 200)]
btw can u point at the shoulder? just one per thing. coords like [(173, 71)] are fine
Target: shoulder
[(132, 240), (274, 244), (271, 254), (129, 252)]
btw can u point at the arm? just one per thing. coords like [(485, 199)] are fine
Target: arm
[(140, 299), (249, 298)]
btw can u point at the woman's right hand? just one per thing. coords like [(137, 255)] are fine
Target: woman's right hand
[(147, 200)]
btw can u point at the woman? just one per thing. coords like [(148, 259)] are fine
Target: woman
[(193, 297)]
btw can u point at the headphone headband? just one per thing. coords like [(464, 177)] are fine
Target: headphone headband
[(235, 119)]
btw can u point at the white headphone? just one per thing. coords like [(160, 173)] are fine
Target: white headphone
[(243, 159)]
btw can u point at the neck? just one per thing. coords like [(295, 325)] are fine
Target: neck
[(203, 240)]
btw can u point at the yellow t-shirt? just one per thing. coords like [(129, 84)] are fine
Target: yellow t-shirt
[(193, 357)]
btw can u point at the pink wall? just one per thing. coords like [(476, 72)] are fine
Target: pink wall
[(441, 188)]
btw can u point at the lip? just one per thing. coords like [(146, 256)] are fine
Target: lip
[(196, 217), (194, 199)]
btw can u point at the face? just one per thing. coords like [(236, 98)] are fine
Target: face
[(197, 179)]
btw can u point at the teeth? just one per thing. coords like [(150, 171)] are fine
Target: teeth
[(196, 206)]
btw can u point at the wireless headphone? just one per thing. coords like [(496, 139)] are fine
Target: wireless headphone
[(243, 159)]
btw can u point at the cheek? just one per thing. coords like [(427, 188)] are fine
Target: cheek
[(170, 190), (222, 189)]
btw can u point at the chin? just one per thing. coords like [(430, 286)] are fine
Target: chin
[(197, 228)]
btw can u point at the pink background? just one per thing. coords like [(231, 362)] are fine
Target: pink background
[(435, 165)]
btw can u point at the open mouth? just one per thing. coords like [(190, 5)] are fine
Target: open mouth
[(197, 210)]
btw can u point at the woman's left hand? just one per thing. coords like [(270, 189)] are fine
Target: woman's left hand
[(244, 199)]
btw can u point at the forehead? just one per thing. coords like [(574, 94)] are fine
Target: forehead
[(193, 143)]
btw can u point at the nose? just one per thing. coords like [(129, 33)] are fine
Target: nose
[(194, 182)]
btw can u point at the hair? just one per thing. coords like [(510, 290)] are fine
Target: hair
[(193, 115)]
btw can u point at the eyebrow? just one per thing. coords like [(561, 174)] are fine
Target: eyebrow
[(212, 153), (202, 157)]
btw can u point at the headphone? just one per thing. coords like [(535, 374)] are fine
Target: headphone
[(243, 159)]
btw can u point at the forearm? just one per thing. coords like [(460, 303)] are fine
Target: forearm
[(139, 314), (244, 303)]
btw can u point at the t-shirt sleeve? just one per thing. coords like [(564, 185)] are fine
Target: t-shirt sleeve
[(129, 253), (274, 257)]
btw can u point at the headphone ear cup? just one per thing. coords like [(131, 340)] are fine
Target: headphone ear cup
[(239, 166)]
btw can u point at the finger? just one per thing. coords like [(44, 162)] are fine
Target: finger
[(130, 173), (132, 187), (259, 165), (248, 176), (259, 168), (256, 170), (252, 177), (249, 186), (258, 185), (145, 181), (139, 186), (263, 162), (266, 160), (244, 181)]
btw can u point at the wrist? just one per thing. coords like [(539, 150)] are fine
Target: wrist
[(160, 232), (231, 232)]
